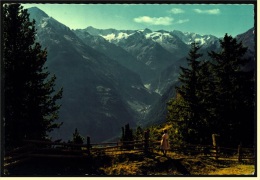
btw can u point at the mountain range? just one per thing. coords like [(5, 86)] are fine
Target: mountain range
[(113, 77)]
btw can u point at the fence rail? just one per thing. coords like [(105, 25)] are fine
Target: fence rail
[(49, 149)]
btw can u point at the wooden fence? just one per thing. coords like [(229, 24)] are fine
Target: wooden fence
[(217, 152), (49, 149)]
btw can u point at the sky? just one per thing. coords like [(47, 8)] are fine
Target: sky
[(214, 19)]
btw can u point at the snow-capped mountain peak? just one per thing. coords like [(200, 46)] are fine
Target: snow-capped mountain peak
[(188, 38), (115, 37), (160, 36)]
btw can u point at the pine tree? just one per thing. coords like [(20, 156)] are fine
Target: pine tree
[(29, 95), (234, 91), (215, 96), (77, 138), (186, 108)]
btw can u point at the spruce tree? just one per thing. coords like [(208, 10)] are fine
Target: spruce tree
[(77, 138), (216, 96), (30, 107), (187, 108), (207, 99), (234, 92)]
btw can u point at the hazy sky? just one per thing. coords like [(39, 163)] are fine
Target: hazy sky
[(215, 19)]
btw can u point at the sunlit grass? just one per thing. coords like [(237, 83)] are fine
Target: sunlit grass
[(240, 169), (136, 163)]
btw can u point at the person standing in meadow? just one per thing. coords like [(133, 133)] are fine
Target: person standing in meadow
[(165, 142)]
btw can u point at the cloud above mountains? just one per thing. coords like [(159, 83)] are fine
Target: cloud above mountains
[(181, 21), (176, 11), (165, 21), (199, 11), (209, 11)]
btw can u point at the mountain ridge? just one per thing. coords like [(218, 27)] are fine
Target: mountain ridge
[(98, 91), (110, 80)]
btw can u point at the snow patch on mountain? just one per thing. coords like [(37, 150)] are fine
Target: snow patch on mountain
[(44, 24), (139, 107), (200, 40), (158, 36), (147, 86), (188, 38), (109, 37), (158, 92), (85, 57), (68, 38), (116, 37), (122, 35)]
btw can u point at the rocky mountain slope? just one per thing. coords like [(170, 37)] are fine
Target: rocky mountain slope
[(100, 95), (158, 51), (113, 77), (114, 52)]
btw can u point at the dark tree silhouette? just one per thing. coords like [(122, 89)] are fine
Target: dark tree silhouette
[(234, 92), (30, 106), (186, 108), (216, 96)]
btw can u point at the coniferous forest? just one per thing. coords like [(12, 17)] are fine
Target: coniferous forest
[(216, 96), (214, 93)]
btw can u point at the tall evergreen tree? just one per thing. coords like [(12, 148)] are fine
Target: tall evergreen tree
[(207, 98), (234, 90), (216, 96), (29, 96), (187, 107)]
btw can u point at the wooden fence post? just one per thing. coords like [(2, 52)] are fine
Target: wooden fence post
[(215, 145), (146, 141), (88, 145), (239, 152)]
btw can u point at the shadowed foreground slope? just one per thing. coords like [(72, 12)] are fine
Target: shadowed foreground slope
[(133, 164)]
